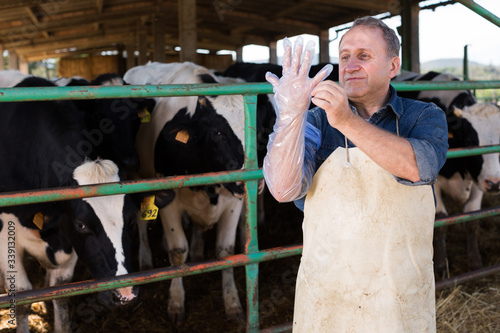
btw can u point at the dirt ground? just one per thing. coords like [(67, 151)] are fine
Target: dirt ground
[(204, 305)]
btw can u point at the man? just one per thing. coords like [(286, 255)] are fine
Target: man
[(366, 159)]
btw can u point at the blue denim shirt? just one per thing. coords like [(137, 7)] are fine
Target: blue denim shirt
[(423, 124)]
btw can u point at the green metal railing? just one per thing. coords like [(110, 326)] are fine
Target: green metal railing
[(252, 256)]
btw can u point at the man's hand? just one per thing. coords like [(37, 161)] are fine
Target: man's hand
[(292, 92), (332, 98)]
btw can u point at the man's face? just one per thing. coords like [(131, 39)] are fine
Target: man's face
[(365, 67)]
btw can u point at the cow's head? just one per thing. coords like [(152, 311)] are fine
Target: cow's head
[(100, 227), (201, 142), (484, 118), (112, 124), (113, 128)]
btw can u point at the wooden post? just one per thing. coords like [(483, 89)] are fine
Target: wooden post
[(239, 54), (2, 63), (324, 46), (130, 49), (187, 30), (409, 35), (159, 38), (13, 60), (143, 47), (273, 56), (23, 66)]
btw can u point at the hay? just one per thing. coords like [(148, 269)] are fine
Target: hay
[(459, 311)]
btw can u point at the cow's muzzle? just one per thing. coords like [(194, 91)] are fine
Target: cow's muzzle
[(492, 186), (120, 297)]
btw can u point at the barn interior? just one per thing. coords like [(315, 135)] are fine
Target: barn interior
[(135, 32), (94, 37)]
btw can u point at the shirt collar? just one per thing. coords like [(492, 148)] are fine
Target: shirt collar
[(395, 105), (395, 102)]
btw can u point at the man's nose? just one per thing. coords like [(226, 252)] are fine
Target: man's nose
[(352, 65)]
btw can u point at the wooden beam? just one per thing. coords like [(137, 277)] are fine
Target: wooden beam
[(324, 46), (188, 36), (99, 6), (280, 24), (374, 6), (159, 38), (34, 20), (2, 64), (273, 55), (13, 60), (63, 24), (130, 49), (409, 36), (110, 40), (143, 47)]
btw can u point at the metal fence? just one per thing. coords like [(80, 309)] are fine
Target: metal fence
[(252, 256)]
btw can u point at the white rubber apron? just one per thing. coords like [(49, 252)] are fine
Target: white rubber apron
[(367, 264)]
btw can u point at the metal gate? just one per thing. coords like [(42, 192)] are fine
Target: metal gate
[(252, 256)]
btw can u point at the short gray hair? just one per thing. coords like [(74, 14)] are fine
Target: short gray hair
[(392, 40)]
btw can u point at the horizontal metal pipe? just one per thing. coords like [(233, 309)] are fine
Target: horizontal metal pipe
[(470, 151), (136, 186), (459, 279), (154, 275), (67, 193), (287, 327), (135, 91), (455, 219)]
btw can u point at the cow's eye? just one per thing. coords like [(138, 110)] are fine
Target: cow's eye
[(80, 226), (216, 134)]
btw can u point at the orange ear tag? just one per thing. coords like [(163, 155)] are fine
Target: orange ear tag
[(182, 136), (149, 211), (450, 135), (38, 220), (144, 115)]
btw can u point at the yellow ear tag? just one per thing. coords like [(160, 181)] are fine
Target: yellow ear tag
[(38, 220), (182, 136), (145, 116), (450, 135), (149, 211)]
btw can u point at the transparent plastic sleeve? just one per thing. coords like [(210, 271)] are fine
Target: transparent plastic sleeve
[(283, 167)]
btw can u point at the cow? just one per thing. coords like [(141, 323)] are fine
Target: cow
[(112, 124), (466, 179), (266, 118), (192, 135), (11, 77), (41, 149)]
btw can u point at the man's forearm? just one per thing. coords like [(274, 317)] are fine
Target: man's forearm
[(393, 153)]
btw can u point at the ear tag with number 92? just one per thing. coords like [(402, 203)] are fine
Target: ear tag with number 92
[(149, 211)]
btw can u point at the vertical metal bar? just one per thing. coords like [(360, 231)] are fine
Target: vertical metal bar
[(481, 11), (466, 63), (251, 240)]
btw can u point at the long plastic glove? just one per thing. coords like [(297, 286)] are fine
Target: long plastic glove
[(283, 167)]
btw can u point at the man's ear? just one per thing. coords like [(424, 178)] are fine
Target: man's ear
[(395, 66)]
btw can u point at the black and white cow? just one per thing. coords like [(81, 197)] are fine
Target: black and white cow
[(11, 77), (112, 124), (466, 179), (41, 149), (190, 135)]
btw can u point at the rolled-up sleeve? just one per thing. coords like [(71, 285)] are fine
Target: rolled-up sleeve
[(429, 139)]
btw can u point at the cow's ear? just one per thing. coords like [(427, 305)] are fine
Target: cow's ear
[(202, 100), (457, 112)]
